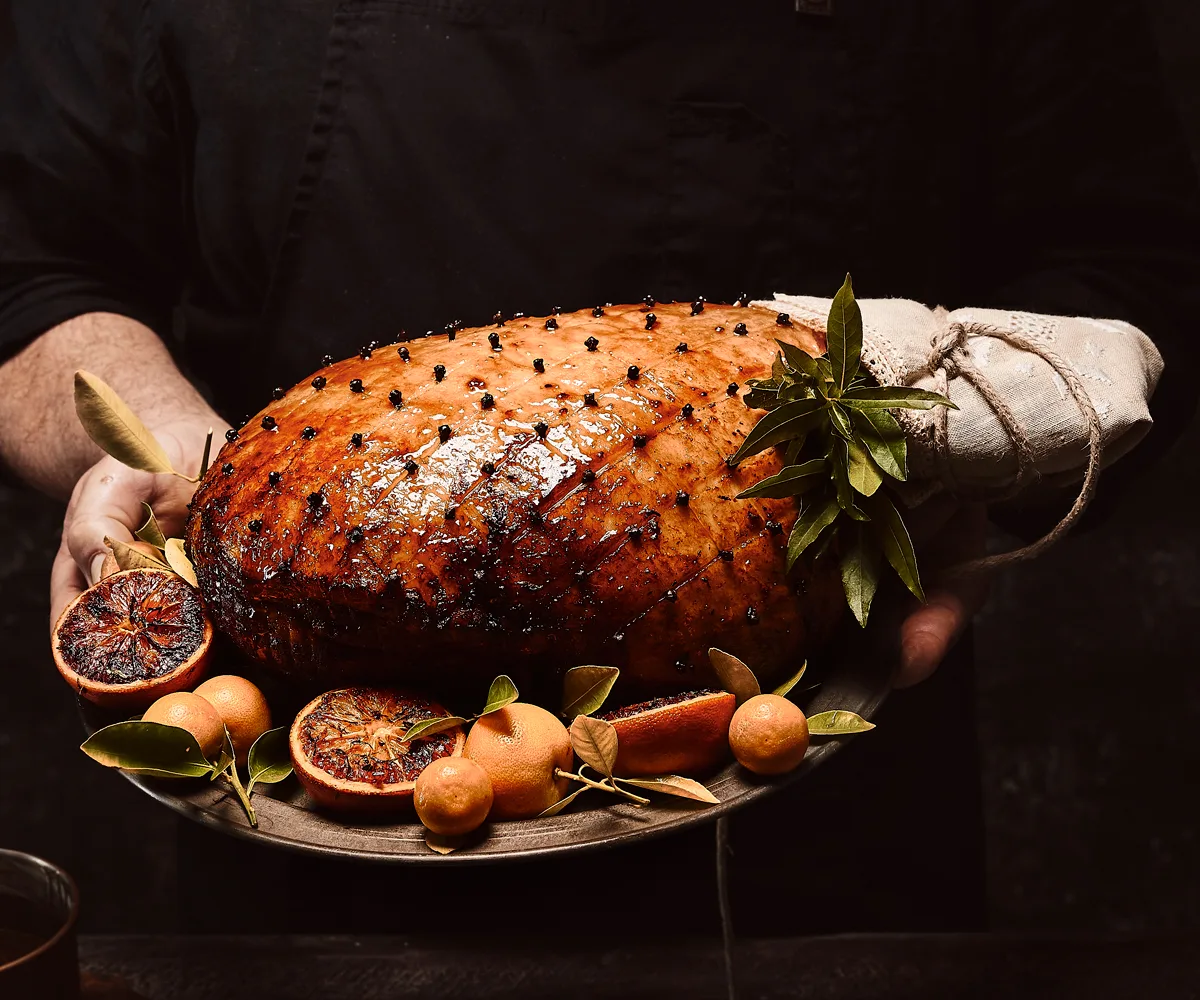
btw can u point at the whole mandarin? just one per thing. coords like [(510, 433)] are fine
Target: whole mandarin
[(768, 734)]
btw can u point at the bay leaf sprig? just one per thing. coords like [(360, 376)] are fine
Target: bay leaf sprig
[(842, 447)]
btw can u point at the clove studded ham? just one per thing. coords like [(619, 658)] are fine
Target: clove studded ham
[(520, 498)]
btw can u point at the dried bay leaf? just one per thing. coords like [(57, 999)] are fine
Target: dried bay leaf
[(734, 675), (443, 845), (562, 803), (178, 561), (595, 743), (586, 688), (837, 723), (128, 557), (148, 748), (150, 531), (673, 784), (110, 422), (791, 682)]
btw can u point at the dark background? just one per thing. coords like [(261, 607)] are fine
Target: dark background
[(1088, 703)]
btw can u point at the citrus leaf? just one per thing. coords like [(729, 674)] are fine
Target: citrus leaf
[(128, 557), (895, 396), (809, 525), (150, 531), (178, 561), (110, 422), (863, 473), (734, 675), (840, 422), (595, 743), (880, 434), (779, 425), (798, 360), (562, 803), (431, 727), (860, 574), (844, 335), (442, 844), (148, 748), (501, 694), (270, 760), (225, 758), (585, 688), (790, 481), (791, 682), (673, 784), (897, 545), (837, 723)]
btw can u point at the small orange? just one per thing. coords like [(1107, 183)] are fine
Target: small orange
[(453, 796), (768, 734), (520, 747), (191, 712), (242, 707)]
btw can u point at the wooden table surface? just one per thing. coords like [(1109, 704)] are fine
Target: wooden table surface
[(928, 967)]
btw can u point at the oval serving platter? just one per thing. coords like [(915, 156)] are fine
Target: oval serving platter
[(858, 680)]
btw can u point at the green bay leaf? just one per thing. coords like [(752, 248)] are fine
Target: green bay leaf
[(840, 422), (784, 422), (844, 336), (861, 470), (586, 688), (813, 520), (148, 748), (880, 433), (860, 573), (790, 481), (893, 536), (895, 396), (799, 361)]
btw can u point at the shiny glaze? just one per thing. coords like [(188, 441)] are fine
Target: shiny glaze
[(532, 566)]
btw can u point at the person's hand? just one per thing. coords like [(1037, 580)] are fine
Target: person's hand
[(945, 534), (107, 501)]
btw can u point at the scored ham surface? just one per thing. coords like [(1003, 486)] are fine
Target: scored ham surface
[(515, 515)]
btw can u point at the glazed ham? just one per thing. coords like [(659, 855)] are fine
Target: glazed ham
[(519, 498)]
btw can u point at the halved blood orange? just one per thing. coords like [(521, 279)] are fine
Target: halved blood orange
[(348, 753), (680, 734), (133, 637)]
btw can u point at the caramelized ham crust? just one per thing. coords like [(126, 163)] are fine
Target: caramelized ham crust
[(518, 498)]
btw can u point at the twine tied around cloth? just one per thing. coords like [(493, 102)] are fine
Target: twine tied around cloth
[(949, 358)]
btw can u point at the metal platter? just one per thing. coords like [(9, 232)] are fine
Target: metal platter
[(858, 680)]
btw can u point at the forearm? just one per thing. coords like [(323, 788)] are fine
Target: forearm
[(41, 439)]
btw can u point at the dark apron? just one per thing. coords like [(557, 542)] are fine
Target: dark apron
[(467, 157)]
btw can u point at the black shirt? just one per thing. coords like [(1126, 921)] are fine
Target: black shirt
[(267, 182)]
